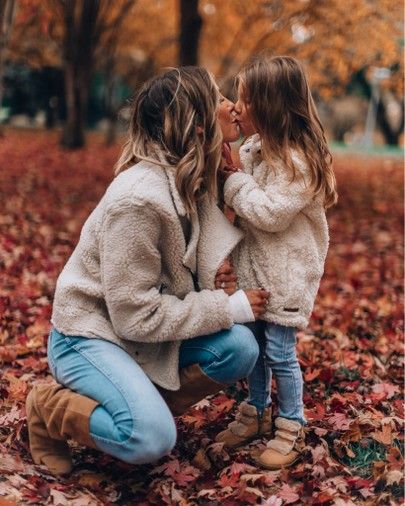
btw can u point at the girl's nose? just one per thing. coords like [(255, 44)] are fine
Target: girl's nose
[(237, 107)]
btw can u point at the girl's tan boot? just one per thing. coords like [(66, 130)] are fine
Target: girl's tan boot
[(285, 449), (247, 426), (54, 414)]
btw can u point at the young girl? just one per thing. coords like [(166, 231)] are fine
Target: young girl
[(280, 200)]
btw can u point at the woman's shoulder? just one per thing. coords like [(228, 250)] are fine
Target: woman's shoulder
[(143, 182)]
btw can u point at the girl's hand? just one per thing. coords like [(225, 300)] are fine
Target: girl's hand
[(258, 299), (226, 278)]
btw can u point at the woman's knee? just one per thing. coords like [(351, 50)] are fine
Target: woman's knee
[(156, 440), (245, 349)]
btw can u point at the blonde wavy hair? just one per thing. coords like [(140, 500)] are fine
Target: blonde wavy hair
[(284, 114), (174, 124)]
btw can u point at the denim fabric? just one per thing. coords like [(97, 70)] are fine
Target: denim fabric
[(132, 421), (226, 356), (277, 357)]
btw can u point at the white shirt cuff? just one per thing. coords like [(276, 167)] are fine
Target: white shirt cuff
[(241, 309)]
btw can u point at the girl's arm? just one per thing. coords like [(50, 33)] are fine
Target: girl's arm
[(131, 267), (270, 209)]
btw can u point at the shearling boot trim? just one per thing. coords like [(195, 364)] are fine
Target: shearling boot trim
[(240, 429), (247, 409), (280, 446), (244, 420), (284, 423), (286, 435)]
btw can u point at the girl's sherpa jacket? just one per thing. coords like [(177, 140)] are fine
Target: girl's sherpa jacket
[(286, 234), (129, 279)]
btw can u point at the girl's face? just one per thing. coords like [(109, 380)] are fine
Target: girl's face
[(227, 120), (242, 114)]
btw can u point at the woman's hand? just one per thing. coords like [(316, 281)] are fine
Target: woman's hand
[(226, 278), (258, 299), (224, 172)]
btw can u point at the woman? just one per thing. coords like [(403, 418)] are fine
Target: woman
[(129, 313)]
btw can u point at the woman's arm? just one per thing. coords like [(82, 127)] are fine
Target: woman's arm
[(131, 268), (271, 209)]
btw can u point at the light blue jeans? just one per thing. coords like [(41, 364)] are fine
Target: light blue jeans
[(277, 357), (132, 422)]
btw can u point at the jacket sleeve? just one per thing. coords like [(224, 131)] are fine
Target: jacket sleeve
[(131, 266), (271, 209)]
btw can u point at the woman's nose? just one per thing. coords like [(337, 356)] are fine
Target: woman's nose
[(237, 108)]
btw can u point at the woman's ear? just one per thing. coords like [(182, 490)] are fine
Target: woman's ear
[(200, 130)]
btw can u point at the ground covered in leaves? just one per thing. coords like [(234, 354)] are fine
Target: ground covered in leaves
[(351, 355)]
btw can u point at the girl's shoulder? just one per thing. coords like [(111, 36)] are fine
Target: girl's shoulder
[(299, 160)]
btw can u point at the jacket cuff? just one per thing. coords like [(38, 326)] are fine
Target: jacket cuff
[(240, 307), (233, 184)]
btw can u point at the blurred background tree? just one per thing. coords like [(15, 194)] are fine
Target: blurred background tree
[(6, 23), (87, 56)]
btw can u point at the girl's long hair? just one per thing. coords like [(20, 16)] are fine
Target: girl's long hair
[(174, 124), (283, 111)]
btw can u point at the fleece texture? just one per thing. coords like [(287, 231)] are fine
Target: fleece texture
[(286, 234), (129, 280)]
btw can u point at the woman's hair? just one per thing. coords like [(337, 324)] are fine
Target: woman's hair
[(174, 123), (283, 111)]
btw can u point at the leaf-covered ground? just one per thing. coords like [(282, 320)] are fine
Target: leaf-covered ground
[(351, 356)]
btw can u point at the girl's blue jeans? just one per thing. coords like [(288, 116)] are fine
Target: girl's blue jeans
[(132, 422), (277, 357)]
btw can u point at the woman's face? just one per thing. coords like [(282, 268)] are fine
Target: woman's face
[(242, 114), (227, 120)]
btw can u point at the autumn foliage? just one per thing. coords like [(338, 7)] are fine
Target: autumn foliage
[(351, 356)]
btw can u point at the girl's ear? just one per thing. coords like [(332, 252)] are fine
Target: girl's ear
[(200, 129)]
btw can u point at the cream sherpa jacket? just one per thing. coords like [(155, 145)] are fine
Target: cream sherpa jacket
[(129, 279), (286, 234)]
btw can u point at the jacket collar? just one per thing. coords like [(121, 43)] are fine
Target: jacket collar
[(252, 145), (178, 203), (249, 152), (190, 256)]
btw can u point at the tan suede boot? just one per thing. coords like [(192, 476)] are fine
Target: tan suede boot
[(247, 426), (285, 449), (194, 386), (55, 413)]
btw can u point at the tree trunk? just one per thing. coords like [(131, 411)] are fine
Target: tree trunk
[(190, 30), (80, 19), (76, 86), (6, 22), (391, 134), (111, 108)]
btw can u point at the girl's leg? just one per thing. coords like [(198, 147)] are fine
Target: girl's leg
[(282, 358), (226, 356), (260, 378), (132, 422), (252, 420)]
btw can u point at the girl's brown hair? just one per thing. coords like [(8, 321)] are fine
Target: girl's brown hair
[(283, 111), (174, 124)]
